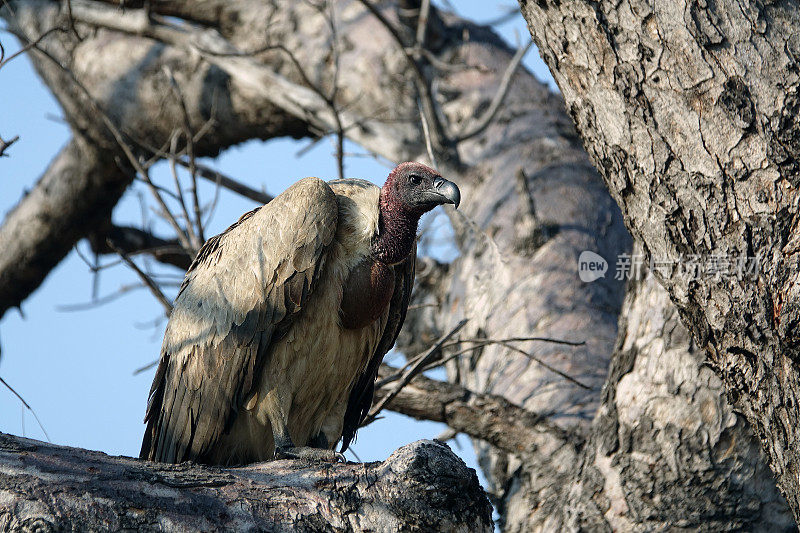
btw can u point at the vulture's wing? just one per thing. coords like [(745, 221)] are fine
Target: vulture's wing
[(240, 295), (361, 394)]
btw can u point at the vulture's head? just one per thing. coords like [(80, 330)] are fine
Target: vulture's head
[(414, 188)]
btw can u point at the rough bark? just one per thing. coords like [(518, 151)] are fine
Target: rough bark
[(666, 449), (53, 488), (689, 110)]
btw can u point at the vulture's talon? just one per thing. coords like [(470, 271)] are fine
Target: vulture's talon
[(306, 453)]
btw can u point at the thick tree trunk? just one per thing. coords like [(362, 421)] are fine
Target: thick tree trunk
[(666, 448), (53, 488), (689, 109)]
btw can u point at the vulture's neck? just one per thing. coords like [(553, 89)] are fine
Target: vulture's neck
[(397, 232)]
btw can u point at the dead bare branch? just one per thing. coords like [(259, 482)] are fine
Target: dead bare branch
[(193, 238), (133, 160), (136, 241), (546, 365), (229, 183), (297, 100), (438, 133), (427, 133), (197, 234), (103, 300), (145, 368)]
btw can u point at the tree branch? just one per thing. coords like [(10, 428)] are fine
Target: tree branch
[(487, 417), (52, 485), (301, 102), (5, 144), (134, 241)]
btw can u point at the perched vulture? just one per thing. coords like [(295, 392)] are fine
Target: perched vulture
[(279, 327)]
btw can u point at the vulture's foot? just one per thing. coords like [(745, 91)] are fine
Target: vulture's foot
[(309, 454)]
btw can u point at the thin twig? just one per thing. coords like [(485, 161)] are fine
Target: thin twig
[(507, 343), (480, 343), (471, 130), (31, 44), (147, 280), (103, 300), (335, 90), (517, 339), (412, 371), (146, 367), (209, 209), (547, 366), (231, 184), (159, 188), (187, 127), (427, 133), (179, 192), (5, 144), (28, 407), (421, 306)]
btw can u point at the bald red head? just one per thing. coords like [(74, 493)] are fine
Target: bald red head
[(416, 188), (411, 190)]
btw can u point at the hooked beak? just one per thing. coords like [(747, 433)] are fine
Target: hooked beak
[(446, 192)]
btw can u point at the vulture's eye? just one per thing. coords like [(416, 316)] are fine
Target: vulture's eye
[(414, 179)]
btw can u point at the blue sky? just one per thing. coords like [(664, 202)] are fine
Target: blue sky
[(75, 367)]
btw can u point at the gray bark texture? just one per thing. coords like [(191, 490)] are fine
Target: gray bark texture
[(618, 450), (689, 110), (55, 488), (666, 449)]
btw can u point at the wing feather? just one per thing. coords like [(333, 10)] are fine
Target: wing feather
[(240, 295), (360, 400)]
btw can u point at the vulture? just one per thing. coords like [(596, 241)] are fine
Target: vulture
[(278, 329)]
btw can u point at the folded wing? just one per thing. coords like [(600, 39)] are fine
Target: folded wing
[(240, 295)]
